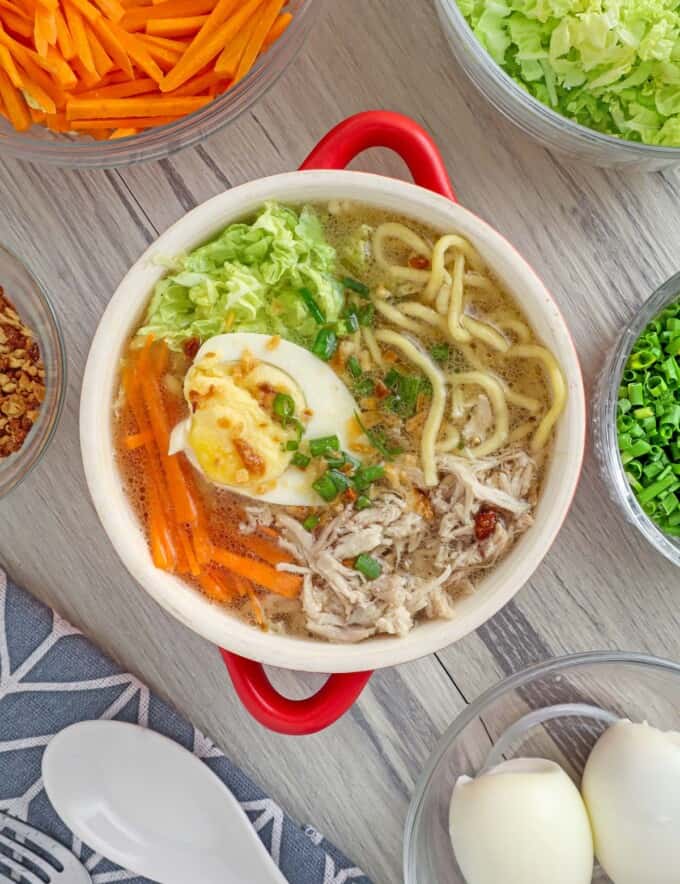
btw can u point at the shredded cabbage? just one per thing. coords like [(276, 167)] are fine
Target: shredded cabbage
[(248, 279), (611, 65)]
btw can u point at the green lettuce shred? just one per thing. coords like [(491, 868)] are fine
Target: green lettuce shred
[(611, 65), (253, 271)]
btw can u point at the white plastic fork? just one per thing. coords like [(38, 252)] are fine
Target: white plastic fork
[(51, 863)]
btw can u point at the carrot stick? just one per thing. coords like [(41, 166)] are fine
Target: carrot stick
[(122, 132), (10, 68), (197, 85), (177, 45), (112, 45), (121, 90), (265, 549), (88, 80), (57, 123), (214, 587), (86, 108), (44, 30), (188, 552), (19, 25), (64, 39), (17, 109), (277, 29), (119, 123), (175, 27), (137, 440), (162, 551), (135, 19), (203, 50), (42, 81), (137, 52), (264, 22), (165, 58), (103, 63), (223, 9), (228, 61), (17, 10), (39, 95), (185, 508), (81, 44), (264, 575), (111, 9)]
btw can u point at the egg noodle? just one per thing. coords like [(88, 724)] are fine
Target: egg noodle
[(443, 289)]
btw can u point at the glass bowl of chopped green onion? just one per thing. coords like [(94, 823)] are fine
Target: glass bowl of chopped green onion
[(637, 420), (573, 80)]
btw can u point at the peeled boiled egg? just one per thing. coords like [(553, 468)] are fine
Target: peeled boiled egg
[(232, 435), (631, 786), (521, 822)]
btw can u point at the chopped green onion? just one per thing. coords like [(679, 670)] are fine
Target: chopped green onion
[(325, 488), (362, 502), (325, 344), (368, 566), (311, 522), (312, 306), (366, 315), (284, 407), (353, 367), (319, 447), (364, 387), (440, 352), (378, 441), (292, 445), (340, 480), (355, 286), (301, 460), (367, 475)]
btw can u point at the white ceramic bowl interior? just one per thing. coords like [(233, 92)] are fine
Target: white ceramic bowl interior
[(191, 607)]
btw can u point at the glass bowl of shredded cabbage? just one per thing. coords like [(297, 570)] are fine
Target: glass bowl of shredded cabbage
[(596, 80)]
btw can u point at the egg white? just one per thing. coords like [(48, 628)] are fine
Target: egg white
[(631, 786), (326, 396)]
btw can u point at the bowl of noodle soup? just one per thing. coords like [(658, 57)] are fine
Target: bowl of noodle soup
[(453, 473)]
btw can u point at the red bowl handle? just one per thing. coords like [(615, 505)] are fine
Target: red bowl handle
[(335, 151), (384, 129), (292, 717)]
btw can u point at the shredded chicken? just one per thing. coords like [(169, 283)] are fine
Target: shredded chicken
[(429, 554)]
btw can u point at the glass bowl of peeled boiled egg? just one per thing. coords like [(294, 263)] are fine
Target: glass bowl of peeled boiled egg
[(567, 773)]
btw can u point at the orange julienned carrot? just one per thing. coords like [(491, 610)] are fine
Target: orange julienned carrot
[(279, 582), (17, 109), (277, 29), (38, 94), (264, 21), (123, 132), (199, 84), (151, 106), (57, 123), (214, 586), (166, 59), (202, 51), (103, 62), (138, 52), (228, 61), (265, 549), (188, 551), (43, 81), (135, 19), (138, 440), (175, 27), (92, 126), (81, 44), (19, 25), (162, 547), (121, 90), (111, 8), (64, 39), (176, 44), (8, 65)]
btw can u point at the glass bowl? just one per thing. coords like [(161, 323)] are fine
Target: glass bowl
[(40, 145), (556, 710), (604, 422), (536, 119), (35, 311)]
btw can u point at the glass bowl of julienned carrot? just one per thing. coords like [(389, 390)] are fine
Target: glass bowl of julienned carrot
[(111, 82)]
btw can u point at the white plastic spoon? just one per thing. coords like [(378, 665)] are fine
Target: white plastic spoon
[(150, 806)]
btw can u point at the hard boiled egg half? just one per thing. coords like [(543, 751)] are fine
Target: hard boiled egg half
[(631, 786), (521, 822), (233, 436)]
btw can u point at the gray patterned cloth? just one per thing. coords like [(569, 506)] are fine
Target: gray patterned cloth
[(52, 676)]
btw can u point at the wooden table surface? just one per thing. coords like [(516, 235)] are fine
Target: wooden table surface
[(601, 241)]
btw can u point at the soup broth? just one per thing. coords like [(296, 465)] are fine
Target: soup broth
[(334, 420)]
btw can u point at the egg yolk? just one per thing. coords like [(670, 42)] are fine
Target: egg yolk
[(234, 433)]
